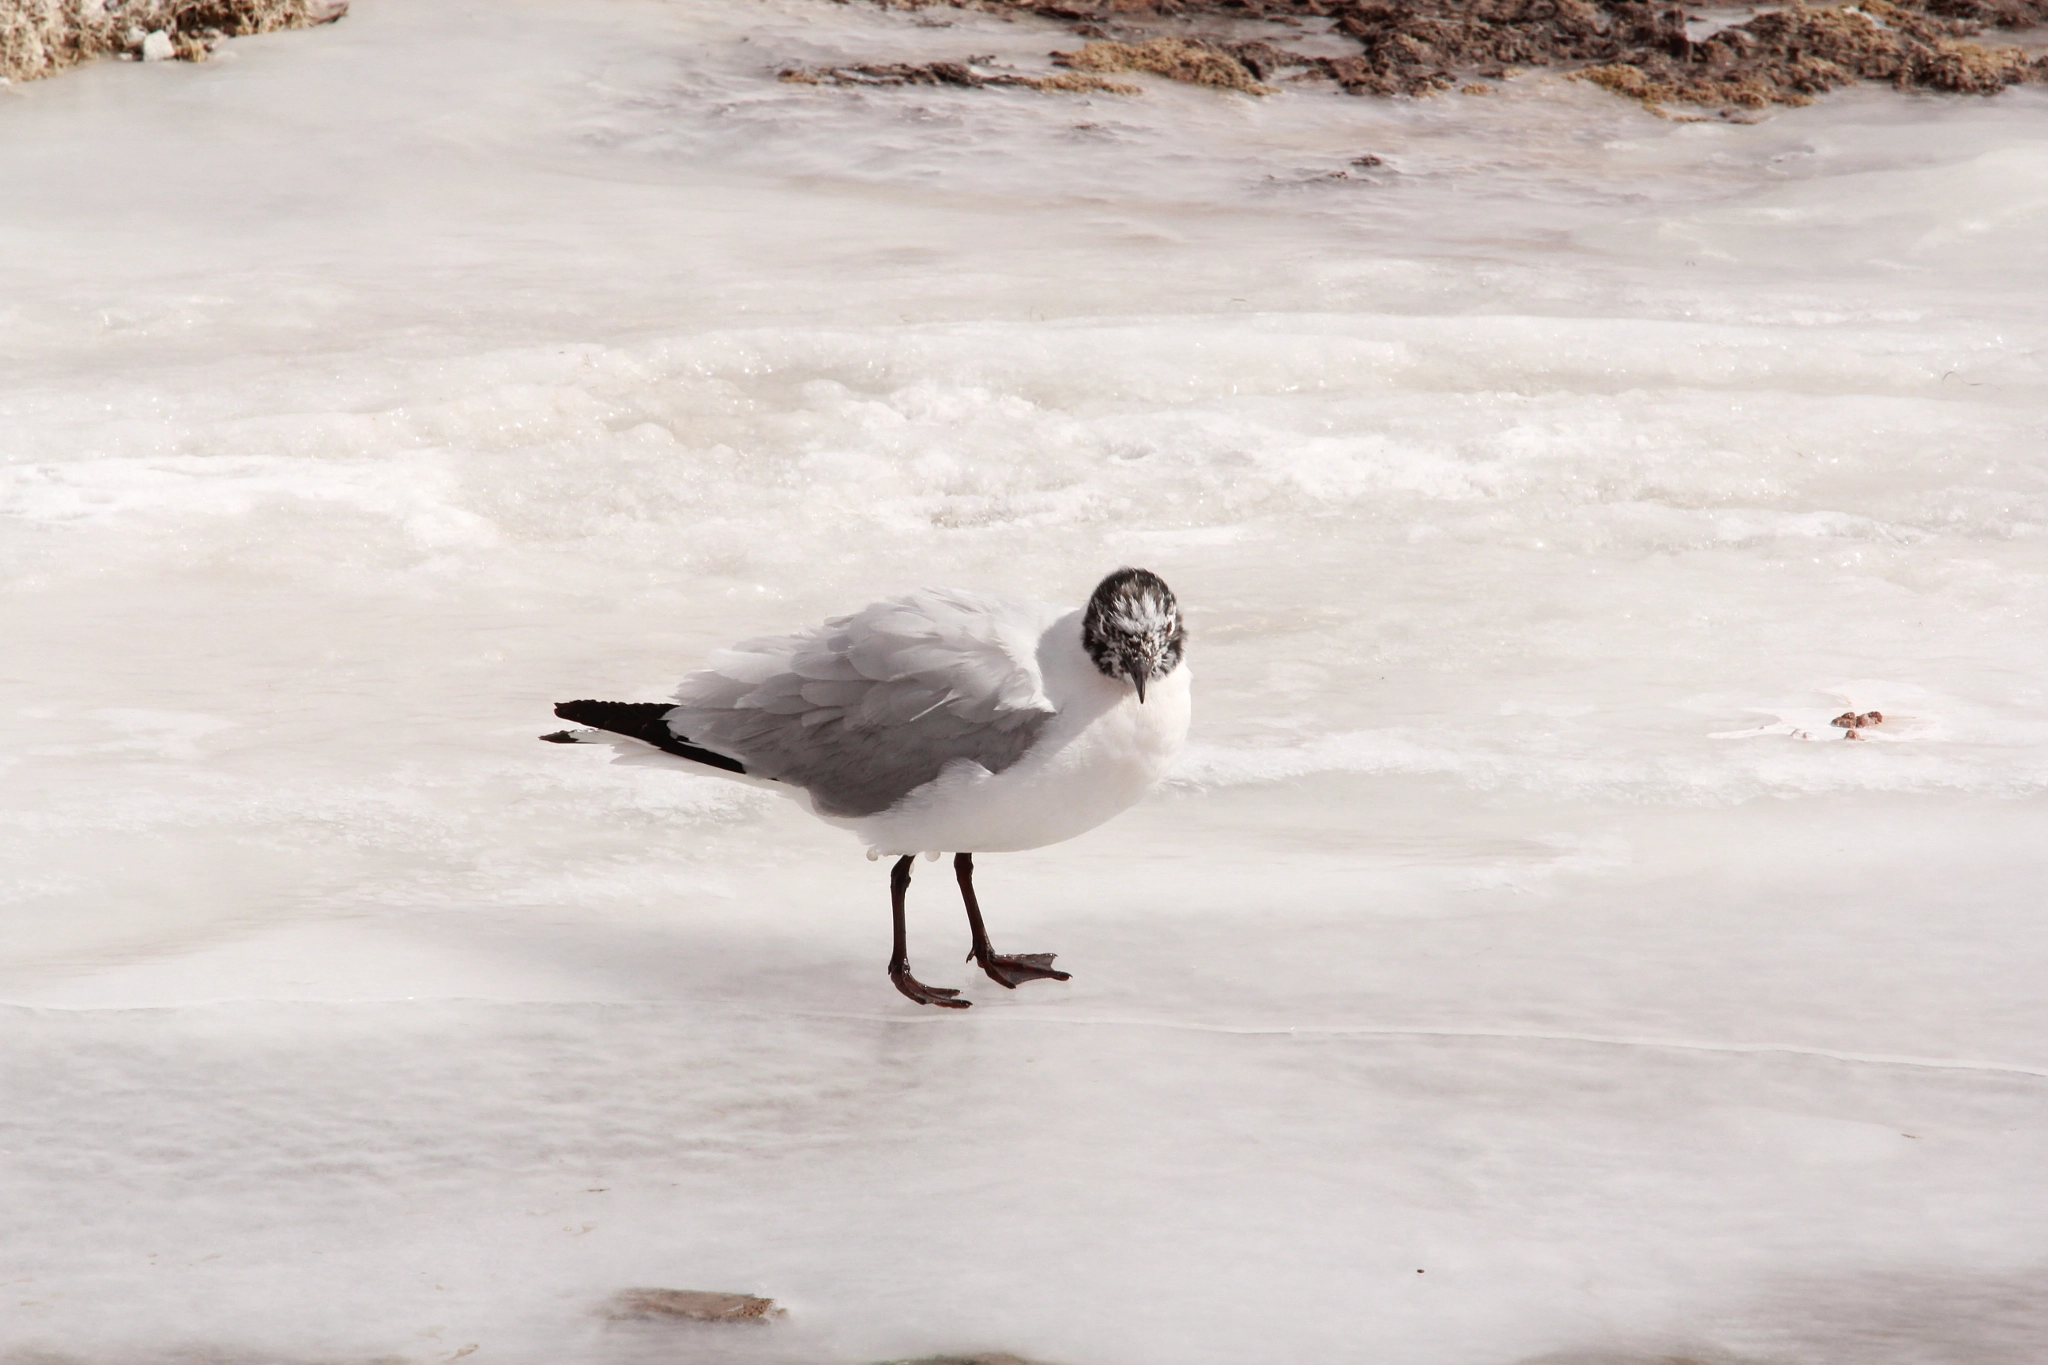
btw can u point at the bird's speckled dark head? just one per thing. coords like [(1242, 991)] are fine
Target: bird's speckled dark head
[(1132, 629)]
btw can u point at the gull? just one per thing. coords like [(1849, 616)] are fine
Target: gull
[(940, 720)]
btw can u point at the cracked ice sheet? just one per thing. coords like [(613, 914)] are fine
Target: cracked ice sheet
[(370, 390)]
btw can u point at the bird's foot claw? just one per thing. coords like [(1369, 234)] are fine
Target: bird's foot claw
[(928, 995), (1010, 970)]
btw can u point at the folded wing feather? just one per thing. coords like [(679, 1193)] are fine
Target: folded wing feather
[(866, 708)]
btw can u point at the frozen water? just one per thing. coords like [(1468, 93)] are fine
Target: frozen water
[(1500, 979)]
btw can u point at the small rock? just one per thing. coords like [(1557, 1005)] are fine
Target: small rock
[(158, 47), (688, 1305)]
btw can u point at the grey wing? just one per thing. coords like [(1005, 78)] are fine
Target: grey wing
[(869, 707)]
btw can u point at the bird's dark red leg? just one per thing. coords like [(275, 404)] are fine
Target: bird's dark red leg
[(1006, 970), (899, 962)]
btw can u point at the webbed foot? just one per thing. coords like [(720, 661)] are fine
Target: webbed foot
[(1009, 970), (927, 995)]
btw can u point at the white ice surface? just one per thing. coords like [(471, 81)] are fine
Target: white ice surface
[(1501, 979)]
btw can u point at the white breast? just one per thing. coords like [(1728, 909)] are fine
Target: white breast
[(1096, 757)]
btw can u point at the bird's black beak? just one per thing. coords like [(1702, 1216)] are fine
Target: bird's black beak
[(1139, 683)]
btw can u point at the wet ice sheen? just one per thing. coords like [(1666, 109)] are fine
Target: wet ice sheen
[(1527, 493)]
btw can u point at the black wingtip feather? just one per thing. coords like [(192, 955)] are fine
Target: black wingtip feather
[(559, 737), (641, 720)]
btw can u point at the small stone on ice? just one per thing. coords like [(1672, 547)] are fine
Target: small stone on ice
[(688, 1305), (157, 47)]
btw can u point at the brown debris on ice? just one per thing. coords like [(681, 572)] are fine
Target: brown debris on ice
[(1792, 55), (960, 74), (41, 37), (1192, 60), (1656, 53), (688, 1305)]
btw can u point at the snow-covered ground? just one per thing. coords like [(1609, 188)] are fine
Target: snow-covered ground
[(1519, 967)]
